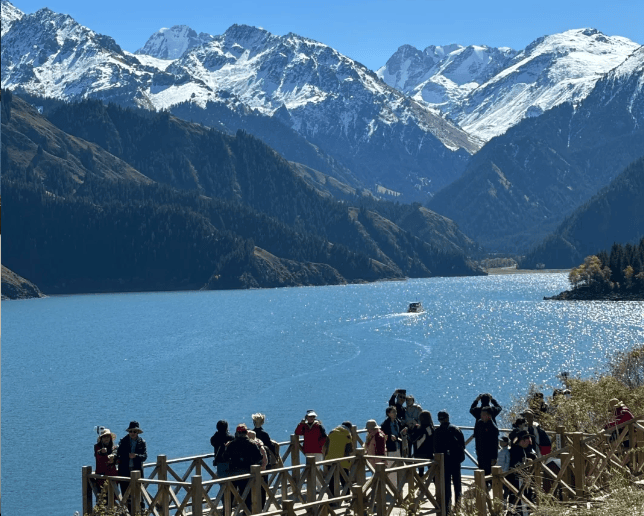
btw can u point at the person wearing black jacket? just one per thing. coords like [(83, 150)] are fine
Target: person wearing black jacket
[(486, 400), (218, 442), (131, 453), (422, 437), (486, 438), (520, 452), (394, 429), (449, 440), (241, 454)]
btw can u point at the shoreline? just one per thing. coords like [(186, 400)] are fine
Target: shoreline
[(513, 270)]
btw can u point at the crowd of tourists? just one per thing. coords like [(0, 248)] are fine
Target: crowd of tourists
[(407, 431)]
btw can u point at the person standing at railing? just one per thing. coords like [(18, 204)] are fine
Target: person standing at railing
[(241, 454), (132, 452), (487, 400), (339, 444), (449, 440), (218, 442), (422, 437), (375, 444), (412, 418), (520, 453), (394, 429), (620, 414), (272, 448), (486, 439), (314, 435), (105, 453)]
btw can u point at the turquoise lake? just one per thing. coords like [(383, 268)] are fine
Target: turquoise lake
[(178, 362)]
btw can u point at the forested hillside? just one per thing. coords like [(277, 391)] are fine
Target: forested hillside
[(154, 202), (615, 214)]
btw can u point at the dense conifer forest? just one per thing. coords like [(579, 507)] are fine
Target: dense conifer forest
[(115, 199)]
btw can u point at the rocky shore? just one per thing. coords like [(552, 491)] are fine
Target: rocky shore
[(584, 294)]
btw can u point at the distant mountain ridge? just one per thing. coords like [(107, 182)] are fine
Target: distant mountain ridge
[(488, 90), (172, 43), (333, 102)]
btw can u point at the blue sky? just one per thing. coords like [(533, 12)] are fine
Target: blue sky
[(368, 31)]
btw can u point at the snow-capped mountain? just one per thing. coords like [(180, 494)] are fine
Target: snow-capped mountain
[(10, 14), (505, 86), (443, 76), (173, 42), (384, 137), (50, 54), (522, 184)]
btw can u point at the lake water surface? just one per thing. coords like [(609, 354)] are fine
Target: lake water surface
[(178, 362)]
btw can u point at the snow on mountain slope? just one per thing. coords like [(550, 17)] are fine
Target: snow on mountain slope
[(443, 76), (172, 43), (50, 54), (9, 15), (552, 70), (268, 73), (338, 105), (487, 90)]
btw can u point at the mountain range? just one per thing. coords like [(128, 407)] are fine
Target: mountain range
[(504, 142), (488, 90)]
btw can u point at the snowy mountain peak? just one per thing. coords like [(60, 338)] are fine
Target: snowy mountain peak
[(172, 43), (10, 14)]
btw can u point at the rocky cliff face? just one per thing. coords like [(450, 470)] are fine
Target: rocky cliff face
[(172, 43)]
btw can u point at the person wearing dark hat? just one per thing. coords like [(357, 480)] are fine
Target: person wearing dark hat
[(488, 400), (486, 438), (132, 452), (449, 440), (339, 444), (240, 454)]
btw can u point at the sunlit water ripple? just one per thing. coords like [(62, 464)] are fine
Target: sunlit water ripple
[(178, 362)]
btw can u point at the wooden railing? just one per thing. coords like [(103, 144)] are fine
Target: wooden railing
[(319, 487), (580, 467), (579, 464)]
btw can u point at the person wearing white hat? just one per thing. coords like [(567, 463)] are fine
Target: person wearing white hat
[(314, 435)]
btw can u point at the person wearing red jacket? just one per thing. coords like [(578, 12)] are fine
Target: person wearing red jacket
[(621, 414), (314, 436)]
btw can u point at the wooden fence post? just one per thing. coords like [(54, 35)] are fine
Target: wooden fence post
[(295, 456), (289, 508), (197, 496), (135, 492), (639, 444), (87, 490), (381, 493), (580, 465), (440, 483), (311, 480), (256, 489), (358, 500), (481, 492), (497, 490), (361, 466), (566, 477), (164, 499)]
